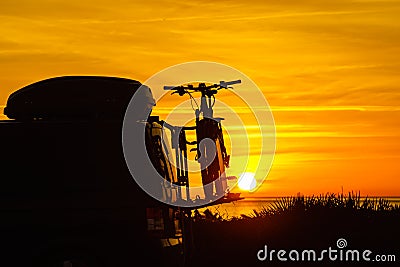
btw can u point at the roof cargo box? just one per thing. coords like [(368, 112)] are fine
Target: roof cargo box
[(73, 97)]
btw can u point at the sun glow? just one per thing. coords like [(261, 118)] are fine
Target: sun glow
[(247, 181)]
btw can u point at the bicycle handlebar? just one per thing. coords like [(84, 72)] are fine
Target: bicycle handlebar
[(202, 86)]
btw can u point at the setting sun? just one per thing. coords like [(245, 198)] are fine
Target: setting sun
[(247, 181)]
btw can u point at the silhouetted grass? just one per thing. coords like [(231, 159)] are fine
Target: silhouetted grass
[(297, 222), (352, 202)]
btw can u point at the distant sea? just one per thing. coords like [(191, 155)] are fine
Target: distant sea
[(247, 206)]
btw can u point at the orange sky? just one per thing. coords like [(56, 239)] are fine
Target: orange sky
[(329, 70)]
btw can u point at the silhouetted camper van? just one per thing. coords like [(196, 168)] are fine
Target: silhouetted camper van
[(67, 197)]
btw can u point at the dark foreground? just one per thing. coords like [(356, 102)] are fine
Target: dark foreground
[(353, 231)]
